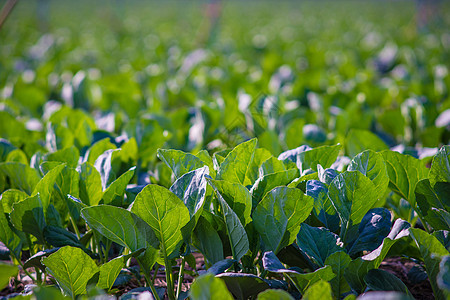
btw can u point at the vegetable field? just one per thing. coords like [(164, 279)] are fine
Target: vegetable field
[(225, 150)]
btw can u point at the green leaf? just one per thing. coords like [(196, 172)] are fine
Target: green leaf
[(268, 182), (21, 176), (303, 281), (404, 172), (434, 203), (279, 215), (430, 249), (440, 167), (318, 243), (339, 262), (235, 230), (90, 184), (206, 239), (110, 270), (374, 227), (6, 272), (259, 157), (306, 158), (11, 196), (97, 149), (380, 280), (243, 286), (108, 164), (372, 165), (179, 162), (207, 159), (237, 197), (208, 287), (17, 155), (54, 188), (48, 292), (7, 236), (352, 195), (319, 290), (28, 216), (164, 212), (359, 140), (120, 226), (114, 193), (69, 156), (271, 165), (236, 164), (191, 189), (443, 278), (72, 269), (358, 268), (274, 294), (59, 237)]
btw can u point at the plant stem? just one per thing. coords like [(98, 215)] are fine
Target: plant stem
[(147, 280), (168, 276), (75, 227), (6, 10), (180, 277), (156, 273)]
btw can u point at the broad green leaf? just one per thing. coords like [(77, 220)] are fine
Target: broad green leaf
[(268, 182), (431, 250), (120, 226), (243, 286), (6, 272), (236, 164), (90, 184), (7, 236), (236, 233), (179, 162), (108, 164), (372, 165), (114, 193), (54, 188), (208, 287), (72, 269), (11, 196), (404, 172), (339, 262), (440, 167), (319, 290), (271, 165), (69, 156), (58, 137), (59, 237), (443, 278), (97, 149), (48, 292), (28, 216), (5, 148), (358, 268), (17, 155), (221, 266), (359, 140), (306, 158), (326, 175), (318, 243), (434, 203), (380, 280), (274, 294), (35, 261), (110, 270), (207, 159), (279, 215), (237, 197), (206, 239), (21, 176), (374, 227), (191, 189), (352, 195), (323, 208), (259, 157), (164, 212), (303, 281)]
